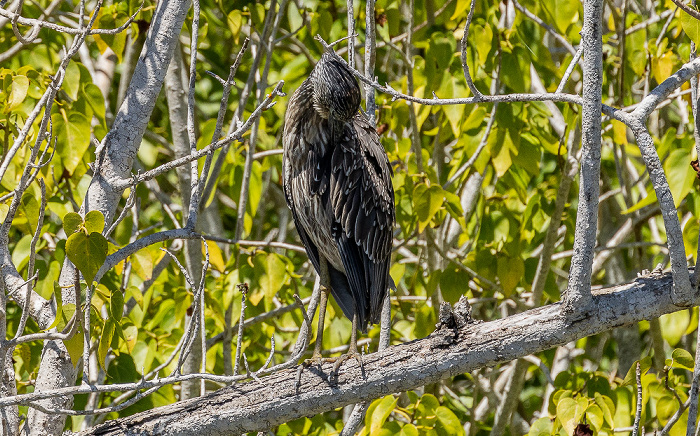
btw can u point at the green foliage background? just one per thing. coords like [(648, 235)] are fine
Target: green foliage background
[(522, 166)]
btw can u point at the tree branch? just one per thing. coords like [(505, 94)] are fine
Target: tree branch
[(274, 400), (578, 293)]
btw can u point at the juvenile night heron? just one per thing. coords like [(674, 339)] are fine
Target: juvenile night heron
[(337, 182)]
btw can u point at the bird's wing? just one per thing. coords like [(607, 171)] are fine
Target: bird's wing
[(296, 132), (362, 200)]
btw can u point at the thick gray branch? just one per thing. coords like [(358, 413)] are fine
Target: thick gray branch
[(116, 154), (274, 400), (578, 293)]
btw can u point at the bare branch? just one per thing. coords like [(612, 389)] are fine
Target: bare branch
[(687, 9), (463, 42), (638, 413), (243, 287), (578, 293), (443, 354), (694, 390)]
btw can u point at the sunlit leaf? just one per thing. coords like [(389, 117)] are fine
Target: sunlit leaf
[(72, 222), (87, 252), (20, 87), (73, 134), (682, 359), (94, 221), (105, 341)]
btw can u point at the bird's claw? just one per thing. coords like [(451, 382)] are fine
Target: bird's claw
[(316, 359), (342, 358)]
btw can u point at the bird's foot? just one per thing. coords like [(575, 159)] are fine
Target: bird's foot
[(315, 360), (352, 353)]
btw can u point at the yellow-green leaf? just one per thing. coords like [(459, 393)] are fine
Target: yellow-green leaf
[(72, 222), (680, 174), (105, 341), (87, 252), (142, 263), (570, 412), (449, 421), (691, 27), (18, 92), (234, 20), (682, 359), (380, 413), (94, 221), (510, 271), (116, 305), (426, 202), (673, 326), (73, 133)]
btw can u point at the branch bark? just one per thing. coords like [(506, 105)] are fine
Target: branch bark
[(578, 293), (259, 405)]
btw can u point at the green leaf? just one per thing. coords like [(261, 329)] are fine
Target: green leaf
[(453, 283), (631, 377), (95, 99), (130, 333), (607, 407), (426, 202), (272, 274), (502, 151), (409, 430), (666, 406), (135, 293), (682, 359), (673, 326), (460, 9), (73, 132), (71, 81), (105, 341), (644, 202), (59, 306), (234, 20), (510, 271), (74, 345), (449, 421), (570, 412), (116, 305), (691, 27), (142, 263), (87, 252), (94, 221), (483, 35), (594, 416), (18, 92), (541, 427), (72, 222), (29, 210), (380, 414), (680, 174)]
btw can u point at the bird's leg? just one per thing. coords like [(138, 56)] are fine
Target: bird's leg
[(352, 351), (353, 336), (325, 290), (321, 317)]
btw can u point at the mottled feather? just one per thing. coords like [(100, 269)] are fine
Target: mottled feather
[(337, 183)]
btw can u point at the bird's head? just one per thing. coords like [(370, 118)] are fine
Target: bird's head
[(336, 92)]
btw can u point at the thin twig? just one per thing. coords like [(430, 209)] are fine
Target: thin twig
[(638, 414), (465, 67), (209, 184), (243, 287), (687, 9), (694, 390)]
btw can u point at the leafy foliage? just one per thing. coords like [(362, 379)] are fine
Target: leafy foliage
[(487, 250)]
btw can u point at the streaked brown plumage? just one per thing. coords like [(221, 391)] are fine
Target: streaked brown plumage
[(337, 182)]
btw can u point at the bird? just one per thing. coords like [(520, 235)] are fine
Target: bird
[(337, 184)]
